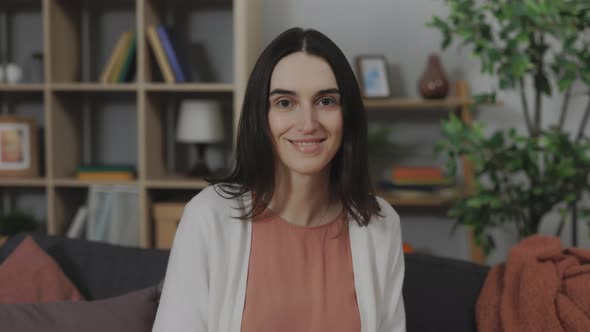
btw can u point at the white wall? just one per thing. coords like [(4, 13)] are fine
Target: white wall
[(396, 28)]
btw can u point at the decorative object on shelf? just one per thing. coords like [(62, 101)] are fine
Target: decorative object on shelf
[(35, 68), (521, 178), (13, 73), (15, 222), (433, 83), (373, 76), (18, 147), (199, 122)]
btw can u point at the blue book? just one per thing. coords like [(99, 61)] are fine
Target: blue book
[(171, 54)]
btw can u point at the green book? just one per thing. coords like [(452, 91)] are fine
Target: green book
[(129, 62), (106, 168)]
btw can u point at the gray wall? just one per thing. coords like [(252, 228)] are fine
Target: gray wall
[(396, 29)]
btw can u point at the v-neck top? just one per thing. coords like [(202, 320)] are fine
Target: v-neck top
[(300, 278)]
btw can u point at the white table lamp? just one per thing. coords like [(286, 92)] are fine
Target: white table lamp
[(200, 122)]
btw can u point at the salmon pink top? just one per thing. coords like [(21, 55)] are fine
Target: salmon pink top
[(300, 278)]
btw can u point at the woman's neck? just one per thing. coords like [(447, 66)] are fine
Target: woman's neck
[(304, 200)]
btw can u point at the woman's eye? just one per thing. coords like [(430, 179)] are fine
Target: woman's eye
[(327, 101), (284, 103)]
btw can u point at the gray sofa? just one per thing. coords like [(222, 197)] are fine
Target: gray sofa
[(439, 293)]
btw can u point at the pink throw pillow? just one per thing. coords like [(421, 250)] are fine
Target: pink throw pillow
[(29, 275)]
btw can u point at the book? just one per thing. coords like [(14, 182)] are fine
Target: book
[(108, 70), (76, 229), (160, 55), (121, 57), (113, 176), (171, 54), (105, 168), (127, 69), (417, 172)]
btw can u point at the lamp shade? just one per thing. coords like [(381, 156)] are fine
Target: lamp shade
[(199, 121)]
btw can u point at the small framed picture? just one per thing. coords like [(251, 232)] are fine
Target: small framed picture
[(18, 147), (373, 76)]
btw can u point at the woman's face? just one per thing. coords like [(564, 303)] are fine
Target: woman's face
[(305, 114)]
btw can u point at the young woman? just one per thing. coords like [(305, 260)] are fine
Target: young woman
[(294, 239)]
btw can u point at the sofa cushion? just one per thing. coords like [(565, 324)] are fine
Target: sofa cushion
[(441, 293), (132, 312), (101, 270), (30, 275)]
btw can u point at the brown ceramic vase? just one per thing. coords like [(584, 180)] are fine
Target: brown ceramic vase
[(434, 83)]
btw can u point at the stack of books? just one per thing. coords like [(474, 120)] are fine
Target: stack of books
[(106, 172), (167, 56), (122, 62), (418, 182)]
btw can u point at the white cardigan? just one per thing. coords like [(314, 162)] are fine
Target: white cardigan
[(205, 284)]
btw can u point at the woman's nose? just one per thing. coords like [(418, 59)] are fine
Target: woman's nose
[(307, 119)]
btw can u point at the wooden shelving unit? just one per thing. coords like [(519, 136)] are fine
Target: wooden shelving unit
[(461, 105), (72, 66)]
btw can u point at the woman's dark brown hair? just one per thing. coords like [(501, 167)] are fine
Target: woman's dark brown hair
[(254, 167)]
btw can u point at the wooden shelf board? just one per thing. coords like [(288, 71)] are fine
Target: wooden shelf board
[(177, 182), (79, 86), (22, 87), (420, 201), (415, 103), (190, 87), (24, 182), (85, 183)]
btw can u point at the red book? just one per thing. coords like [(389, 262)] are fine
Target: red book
[(417, 173)]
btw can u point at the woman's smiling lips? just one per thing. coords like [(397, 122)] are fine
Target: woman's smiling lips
[(307, 145)]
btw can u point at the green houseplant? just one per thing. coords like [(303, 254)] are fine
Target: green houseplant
[(538, 46), (15, 222)]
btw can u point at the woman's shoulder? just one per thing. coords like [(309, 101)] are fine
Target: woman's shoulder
[(389, 220), (212, 201)]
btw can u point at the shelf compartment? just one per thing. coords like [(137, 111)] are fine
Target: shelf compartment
[(31, 200), (202, 35), (164, 157), (83, 36), (21, 37), (92, 128)]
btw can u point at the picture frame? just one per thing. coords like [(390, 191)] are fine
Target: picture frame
[(18, 147), (373, 76)]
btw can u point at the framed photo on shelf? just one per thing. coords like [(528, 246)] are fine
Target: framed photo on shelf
[(18, 147), (373, 76)]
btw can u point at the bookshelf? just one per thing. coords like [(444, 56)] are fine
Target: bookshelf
[(83, 119)]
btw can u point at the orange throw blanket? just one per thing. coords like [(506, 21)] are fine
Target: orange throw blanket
[(541, 287)]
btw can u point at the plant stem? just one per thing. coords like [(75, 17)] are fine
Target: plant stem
[(538, 96), (564, 107), (583, 123), (525, 106)]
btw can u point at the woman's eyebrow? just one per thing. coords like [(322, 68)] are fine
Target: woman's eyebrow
[(327, 91), (293, 93), (282, 92)]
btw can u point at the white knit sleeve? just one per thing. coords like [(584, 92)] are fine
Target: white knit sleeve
[(184, 301), (394, 315)]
